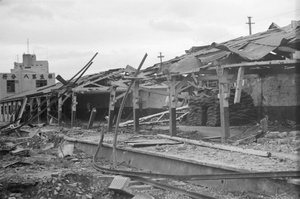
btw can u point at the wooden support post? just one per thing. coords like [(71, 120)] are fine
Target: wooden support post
[(10, 111), (48, 109), (13, 110), (224, 104), (7, 112), (136, 111), (30, 105), (38, 100), (73, 108), (92, 118), (24, 103), (112, 102), (1, 109), (239, 85), (4, 112), (172, 105), (59, 108)]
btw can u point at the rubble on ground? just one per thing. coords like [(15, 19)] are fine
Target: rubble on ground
[(41, 164)]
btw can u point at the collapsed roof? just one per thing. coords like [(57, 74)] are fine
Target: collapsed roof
[(274, 44)]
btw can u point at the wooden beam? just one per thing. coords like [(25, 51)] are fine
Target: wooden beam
[(182, 84), (121, 95), (59, 109), (182, 89), (218, 146), (224, 104), (129, 123), (7, 111), (1, 112), (136, 105), (10, 111), (131, 78), (38, 100), (112, 102), (61, 80), (73, 108), (264, 63), (172, 105), (239, 85), (101, 77), (92, 118), (66, 97), (48, 109), (162, 93), (13, 110), (24, 103)]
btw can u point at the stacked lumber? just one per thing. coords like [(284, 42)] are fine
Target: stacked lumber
[(241, 113), (198, 108), (213, 115), (205, 109)]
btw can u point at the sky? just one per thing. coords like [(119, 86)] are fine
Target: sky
[(68, 33)]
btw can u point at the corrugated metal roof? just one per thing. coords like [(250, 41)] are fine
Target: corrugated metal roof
[(254, 47)]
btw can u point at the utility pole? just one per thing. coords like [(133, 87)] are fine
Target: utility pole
[(250, 23), (160, 57)]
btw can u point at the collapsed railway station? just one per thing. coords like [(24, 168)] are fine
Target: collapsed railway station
[(220, 121)]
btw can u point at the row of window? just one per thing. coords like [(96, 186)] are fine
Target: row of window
[(11, 85)]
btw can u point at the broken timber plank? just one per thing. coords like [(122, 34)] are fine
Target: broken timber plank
[(239, 85), (151, 143), (92, 118), (219, 146), (25, 99), (152, 116), (112, 103), (136, 105)]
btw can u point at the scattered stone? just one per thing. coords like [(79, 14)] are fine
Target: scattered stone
[(283, 134), (73, 184), (143, 196), (296, 143), (282, 141), (282, 159), (294, 133), (89, 196), (262, 140), (272, 134), (181, 148)]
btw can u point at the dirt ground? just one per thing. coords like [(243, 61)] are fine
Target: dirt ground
[(31, 166)]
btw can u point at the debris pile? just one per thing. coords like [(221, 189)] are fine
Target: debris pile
[(31, 166), (205, 109), (283, 141)]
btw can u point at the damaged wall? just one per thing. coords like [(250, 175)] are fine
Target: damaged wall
[(152, 100), (152, 103), (275, 95)]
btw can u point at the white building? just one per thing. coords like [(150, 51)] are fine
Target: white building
[(28, 75)]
